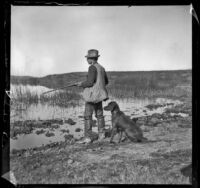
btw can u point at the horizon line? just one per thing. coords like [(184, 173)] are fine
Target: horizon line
[(106, 71)]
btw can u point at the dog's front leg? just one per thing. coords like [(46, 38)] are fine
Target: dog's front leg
[(125, 137), (120, 136), (113, 133)]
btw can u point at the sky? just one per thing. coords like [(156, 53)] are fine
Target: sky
[(55, 39)]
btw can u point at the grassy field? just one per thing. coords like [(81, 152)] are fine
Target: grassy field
[(140, 79), (122, 85), (157, 161)]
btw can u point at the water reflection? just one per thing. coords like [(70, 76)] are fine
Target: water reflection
[(131, 107)]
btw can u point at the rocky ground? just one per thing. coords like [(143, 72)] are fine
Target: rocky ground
[(27, 126), (155, 161)]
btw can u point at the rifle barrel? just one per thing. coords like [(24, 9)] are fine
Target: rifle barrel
[(59, 88)]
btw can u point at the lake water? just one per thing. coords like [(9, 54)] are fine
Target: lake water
[(131, 107)]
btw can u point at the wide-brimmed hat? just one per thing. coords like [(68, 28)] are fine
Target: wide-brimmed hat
[(92, 53)]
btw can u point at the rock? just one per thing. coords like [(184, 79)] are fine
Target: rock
[(153, 106), (78, 130), (68, 137), (70, 121), (49, 134), (57, 121), (27, 130), (64, 130), (40, 131), (156, 115), (46, 123), (54, 126), (168, 104)]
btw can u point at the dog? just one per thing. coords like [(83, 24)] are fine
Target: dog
[(122, 123)]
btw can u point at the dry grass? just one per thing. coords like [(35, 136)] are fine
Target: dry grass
[(22, 94), (124, 85), (62, 99), (123, 92), (157, 162)]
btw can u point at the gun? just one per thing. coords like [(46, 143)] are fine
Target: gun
[(75, 84)]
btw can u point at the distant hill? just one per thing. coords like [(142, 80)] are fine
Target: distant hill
[(51, 81), (177, 77)]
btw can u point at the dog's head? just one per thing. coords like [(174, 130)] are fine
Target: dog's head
[(111, 106), (134, 120)]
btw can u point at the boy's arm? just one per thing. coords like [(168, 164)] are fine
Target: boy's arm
[(91, 78), (106, 78)]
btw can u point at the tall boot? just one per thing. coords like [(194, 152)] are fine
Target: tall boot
[(88, 127), (87, 132), (101, 128)]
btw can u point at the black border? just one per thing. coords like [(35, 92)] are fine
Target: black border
[(5, 17)]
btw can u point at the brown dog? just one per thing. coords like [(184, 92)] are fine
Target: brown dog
[(122, 123)]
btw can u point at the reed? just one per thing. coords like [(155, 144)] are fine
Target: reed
[(62, 99), (23, 94), (123, 92), (126, 86), (150, 85)]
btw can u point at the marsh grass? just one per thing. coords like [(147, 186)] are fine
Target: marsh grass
[(150, 84), (122, 85), (62, 99), (123, 92), (23, 94)]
